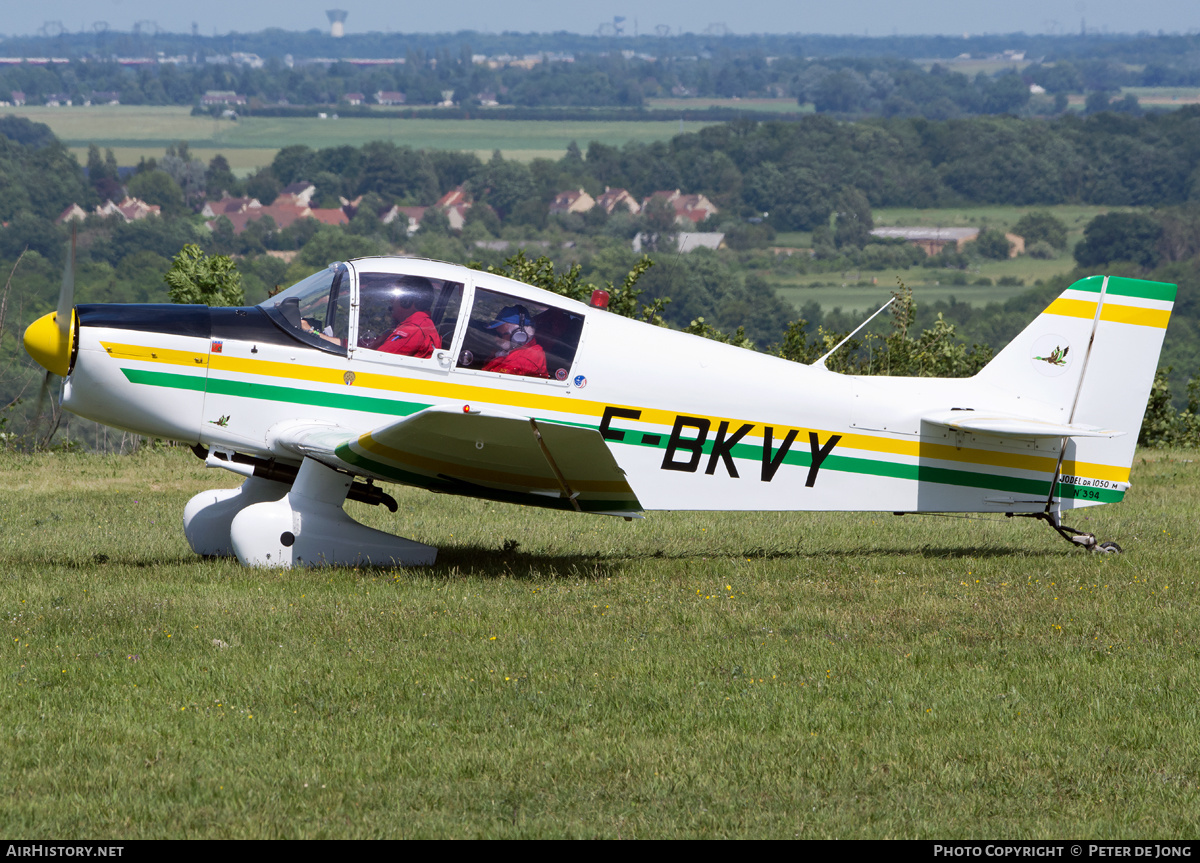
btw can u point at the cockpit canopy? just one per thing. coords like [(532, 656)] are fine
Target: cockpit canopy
[(415, 314)]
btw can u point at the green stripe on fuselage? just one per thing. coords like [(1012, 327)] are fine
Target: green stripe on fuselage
[(270, 392), (749, 456)]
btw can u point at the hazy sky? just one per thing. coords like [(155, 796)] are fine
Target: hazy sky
[(874, 17)]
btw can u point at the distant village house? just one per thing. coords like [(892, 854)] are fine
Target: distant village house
[(613, 198), (574, 201), (688, 208), (222, 97), (933, 240)]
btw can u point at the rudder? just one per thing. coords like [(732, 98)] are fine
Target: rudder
[(1090, 359)]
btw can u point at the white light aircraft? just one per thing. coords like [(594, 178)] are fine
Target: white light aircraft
[(463, 382)]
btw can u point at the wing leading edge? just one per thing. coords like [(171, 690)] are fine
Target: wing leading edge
[(479, 453)]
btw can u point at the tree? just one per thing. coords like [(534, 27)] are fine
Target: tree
[(102, 174), (624, 300), (1096, 102), (1041, 226), (262, 184), (504, 184), (330, 243), (291, 164), (156, 187), (220, 178), (854, 222), (1120, 237), (843, 91), (992, 243), (212, 280)]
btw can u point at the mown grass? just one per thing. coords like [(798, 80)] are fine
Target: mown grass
[(137, 131), (555, 675)]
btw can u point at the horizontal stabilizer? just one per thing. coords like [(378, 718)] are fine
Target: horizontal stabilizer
[(1006, 425)]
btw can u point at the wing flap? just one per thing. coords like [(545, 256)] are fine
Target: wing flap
[(1008, 425), (482, 453)]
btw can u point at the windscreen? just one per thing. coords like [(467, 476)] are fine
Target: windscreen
[(316, 310)]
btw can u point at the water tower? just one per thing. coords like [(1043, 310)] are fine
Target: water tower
[(337, 22)]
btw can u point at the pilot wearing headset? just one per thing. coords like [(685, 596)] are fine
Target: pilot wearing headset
[(519, 353), (415, 334)]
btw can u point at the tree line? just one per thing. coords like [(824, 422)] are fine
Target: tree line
[(886, 86), (713, 294)]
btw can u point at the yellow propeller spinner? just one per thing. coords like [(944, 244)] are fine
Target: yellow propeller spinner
[(50, 344)]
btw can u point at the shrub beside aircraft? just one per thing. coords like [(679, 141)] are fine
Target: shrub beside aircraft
[(464, 382)]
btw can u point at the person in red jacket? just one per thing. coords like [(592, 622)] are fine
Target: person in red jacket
[(415, 334), (519, 353)]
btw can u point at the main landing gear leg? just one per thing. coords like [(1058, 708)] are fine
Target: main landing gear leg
[(306, 526)]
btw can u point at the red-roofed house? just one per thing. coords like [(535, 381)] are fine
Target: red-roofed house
[(300, 193), (411, 215), (574, 201), (229, 205), (613, 198), (328, 215), (130, 209), (688, 208), (455, 203), (284, 212)]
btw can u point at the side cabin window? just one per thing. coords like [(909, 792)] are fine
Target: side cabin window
[(409, 316), (512, 336), (316, 310)]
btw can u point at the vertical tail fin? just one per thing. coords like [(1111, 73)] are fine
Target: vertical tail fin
[(1089, 359)]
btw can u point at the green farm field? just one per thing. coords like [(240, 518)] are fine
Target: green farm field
[(781, 106), (864, 297), (854, 289), (135, 131), (689, 675)]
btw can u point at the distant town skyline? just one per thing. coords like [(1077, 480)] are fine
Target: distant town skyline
[(850, 17)]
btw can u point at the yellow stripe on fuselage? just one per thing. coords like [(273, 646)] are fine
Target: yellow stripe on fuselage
[(564, 404), (191, 359)]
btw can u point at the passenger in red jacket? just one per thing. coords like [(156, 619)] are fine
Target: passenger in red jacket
[(519, 353)]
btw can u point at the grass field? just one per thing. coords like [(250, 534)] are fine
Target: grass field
[(781, 106), (853, 289), (855, 295), (1075, 216), (1165, 95), (136, 131), (692, 675)]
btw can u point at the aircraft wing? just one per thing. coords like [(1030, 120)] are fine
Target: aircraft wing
[(479, 453), (1006, 425)]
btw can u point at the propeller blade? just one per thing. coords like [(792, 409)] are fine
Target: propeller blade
[(41, 397), (66, 296)]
